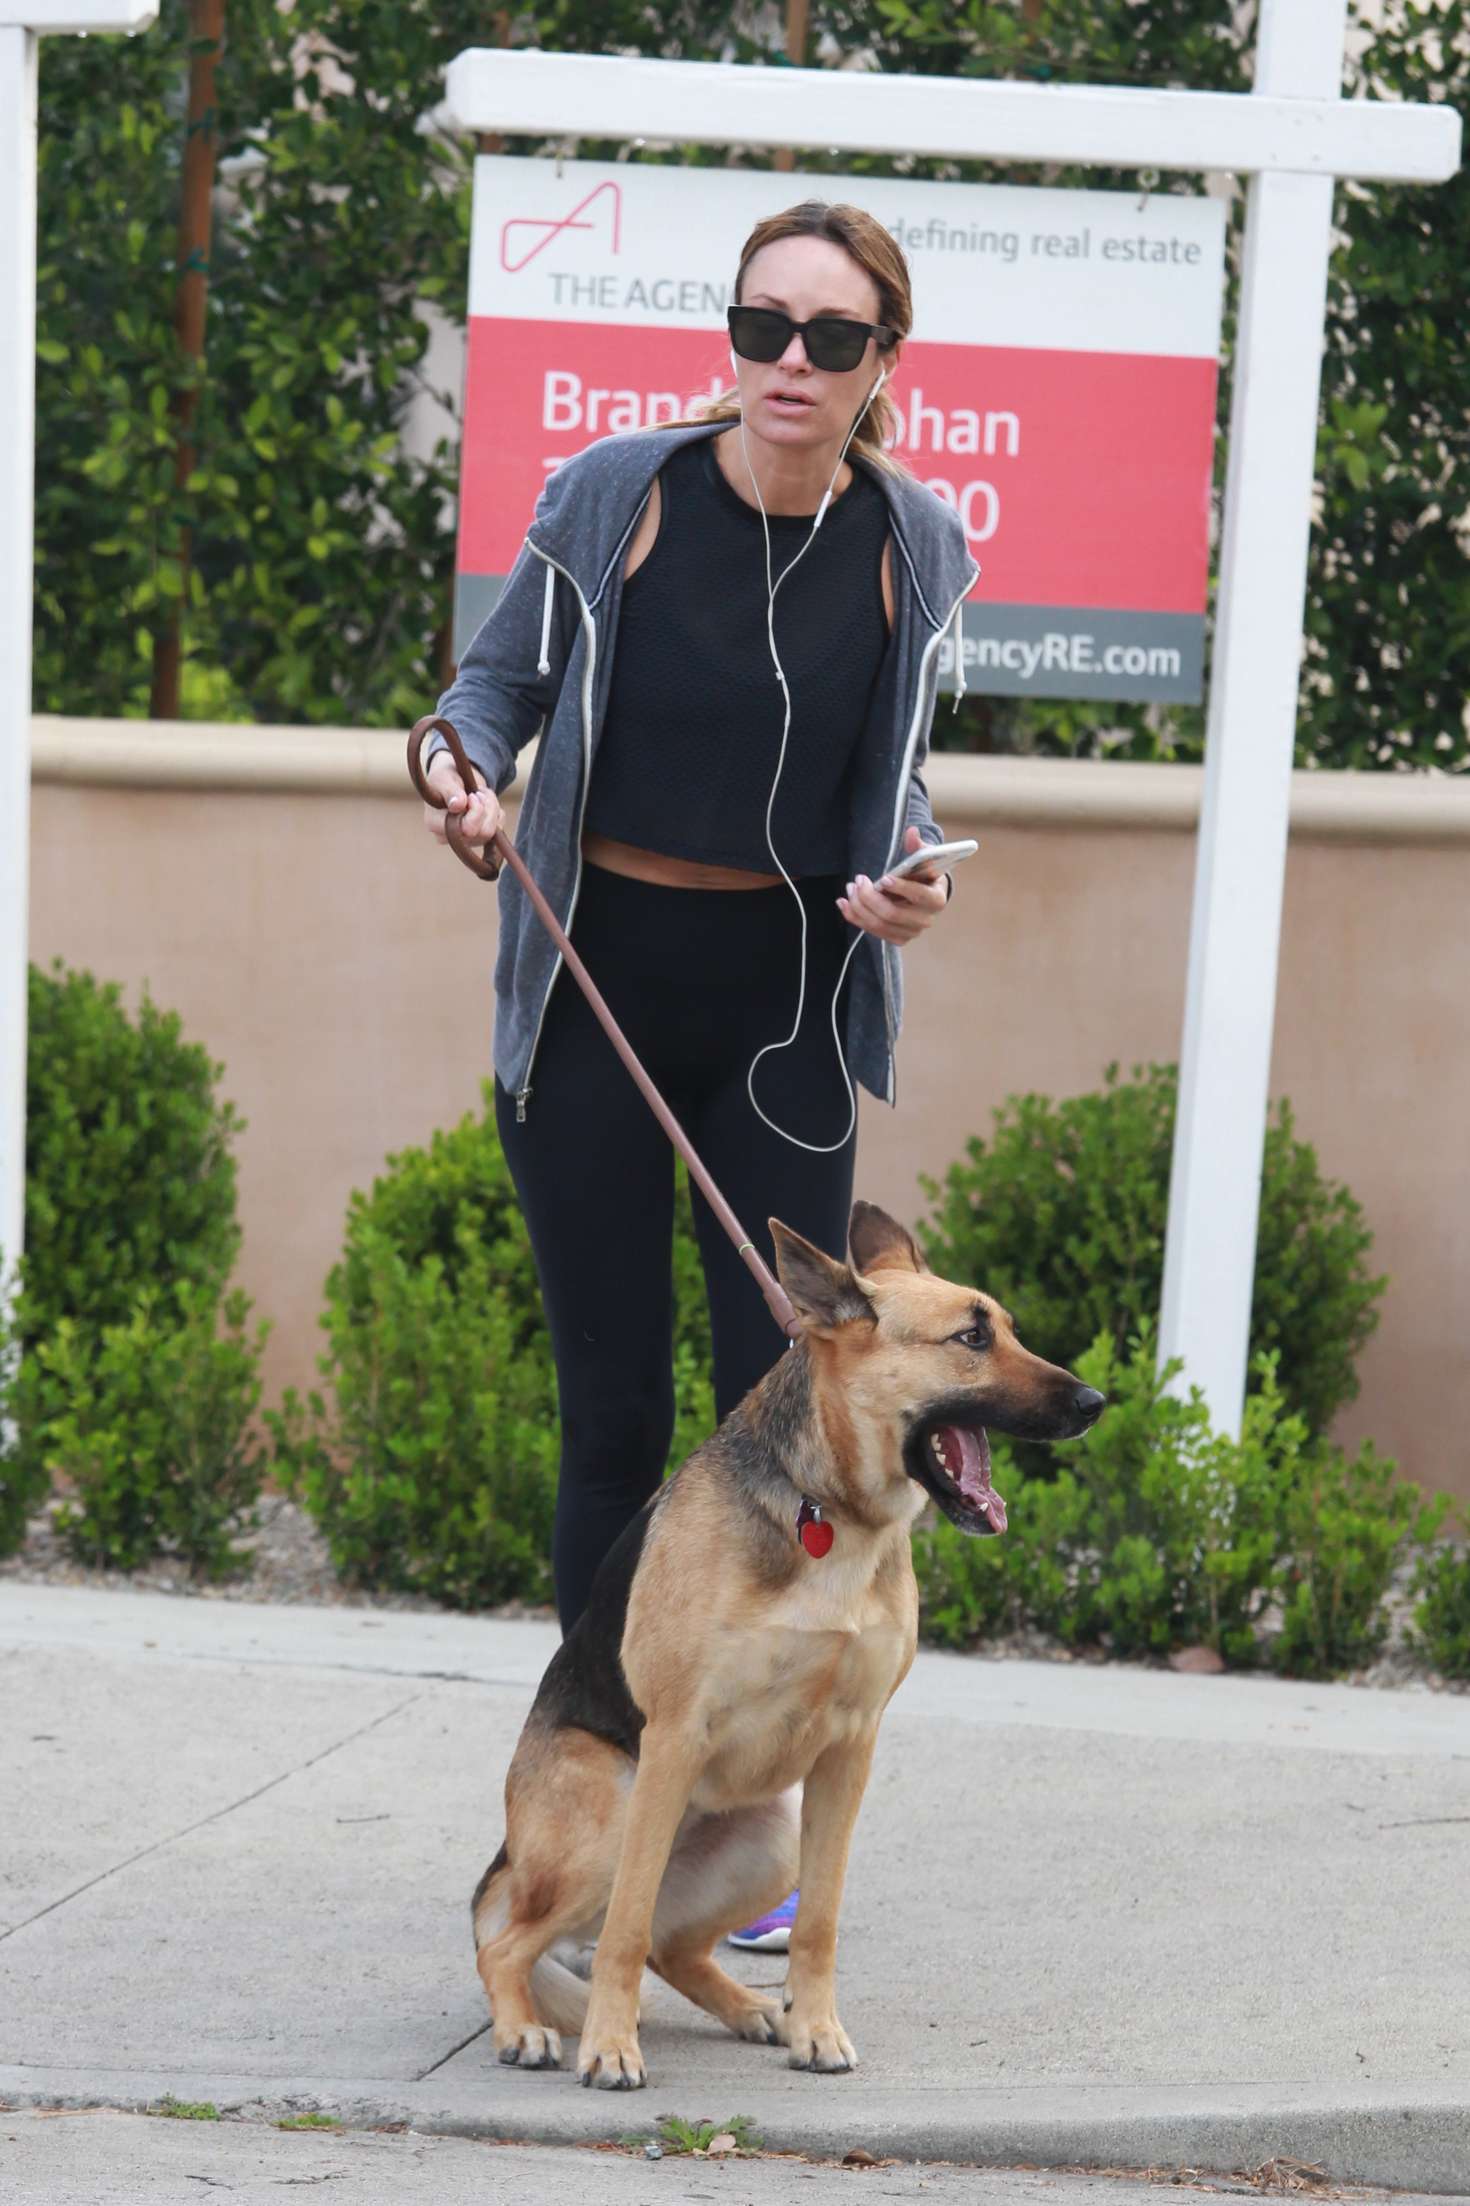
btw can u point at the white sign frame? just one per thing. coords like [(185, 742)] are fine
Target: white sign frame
[(1293, 135), (21, 23)]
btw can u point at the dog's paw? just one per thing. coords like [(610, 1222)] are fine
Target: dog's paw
[(822, 2044), (611, 2062), (760, 2024), (530, 2048)]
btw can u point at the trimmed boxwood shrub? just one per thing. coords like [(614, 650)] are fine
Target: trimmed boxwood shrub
[(1155, 1531), (1441, 1632), (150, 1425), (1345, 1523), (22, 1482), (130, 1179), (130, 1193), (430, 1456), (1061, 1216)]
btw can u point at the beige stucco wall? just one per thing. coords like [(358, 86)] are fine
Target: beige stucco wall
[(338, 964)]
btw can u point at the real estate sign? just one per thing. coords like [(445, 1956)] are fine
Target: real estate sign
[(1058, 391)]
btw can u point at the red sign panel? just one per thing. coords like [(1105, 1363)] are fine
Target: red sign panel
[(1082, 479)]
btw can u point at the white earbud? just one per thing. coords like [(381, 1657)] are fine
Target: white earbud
[(734, 364), (852, 432), (773, 584)]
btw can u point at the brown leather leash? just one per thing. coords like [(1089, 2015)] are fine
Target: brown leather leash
[(777, 1299)]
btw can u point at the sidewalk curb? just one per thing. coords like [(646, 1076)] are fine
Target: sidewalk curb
[(1387, 2137)]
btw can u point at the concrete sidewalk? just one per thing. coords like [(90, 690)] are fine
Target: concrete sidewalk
[(1095, 1917), (103, 2158)]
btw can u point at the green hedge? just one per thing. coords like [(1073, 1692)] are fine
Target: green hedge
[(1061, 1216), (1441, 1628), (1157, 1532), (130, 1172), (151, 1429), (123, 1372), (430, 1456), (321, 577)]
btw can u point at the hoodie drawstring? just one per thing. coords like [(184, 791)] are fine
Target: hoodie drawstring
[(543, 664), (959, 655)]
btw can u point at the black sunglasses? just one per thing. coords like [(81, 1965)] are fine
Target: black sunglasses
[(832, 342)]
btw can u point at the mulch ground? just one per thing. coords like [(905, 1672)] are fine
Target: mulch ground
[(286, 1560)]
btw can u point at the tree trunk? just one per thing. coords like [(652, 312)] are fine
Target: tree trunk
[(796, 26), (491, 141), (206, 36)]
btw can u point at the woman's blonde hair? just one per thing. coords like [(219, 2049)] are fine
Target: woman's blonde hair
[(879, 256)]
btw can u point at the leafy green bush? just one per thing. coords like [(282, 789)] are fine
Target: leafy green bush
[(1441, 1632), (1345, 1522), (1061, 1215), (1182, 1524), (23, 1474), (1155, 1532), (130, 1183), (977, 1589), (316, 343), (130, 1192), (149, 1428), (1159, 1532), (433, 1466), (322, 570)]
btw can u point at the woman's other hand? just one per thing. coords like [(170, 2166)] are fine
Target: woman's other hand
[(478, 809), (896, 910)]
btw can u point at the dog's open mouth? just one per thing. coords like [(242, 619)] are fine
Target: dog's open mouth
[(955, 1463)]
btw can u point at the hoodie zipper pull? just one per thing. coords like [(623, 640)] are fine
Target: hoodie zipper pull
[(521, 1101), (543, 661)]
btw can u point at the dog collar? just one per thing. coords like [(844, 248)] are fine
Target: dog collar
[(812, 1529)]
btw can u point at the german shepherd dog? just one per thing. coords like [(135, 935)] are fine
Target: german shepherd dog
[(702, 1737)]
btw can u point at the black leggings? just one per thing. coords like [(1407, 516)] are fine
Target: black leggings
[(699, 979)]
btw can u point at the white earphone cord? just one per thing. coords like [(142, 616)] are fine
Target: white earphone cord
[(814, 1148)]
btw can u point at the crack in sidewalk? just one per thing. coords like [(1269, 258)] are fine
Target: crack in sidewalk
[(172, 1837), (464, 2041), (339, 1667)]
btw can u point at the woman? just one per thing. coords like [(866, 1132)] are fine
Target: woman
[(671, 811)]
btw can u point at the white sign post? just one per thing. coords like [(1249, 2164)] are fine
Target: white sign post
[(21, 22), (1235, 933), (1293, 136)]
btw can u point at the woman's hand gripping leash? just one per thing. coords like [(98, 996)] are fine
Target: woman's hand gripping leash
[(459, 809), (473, 831)]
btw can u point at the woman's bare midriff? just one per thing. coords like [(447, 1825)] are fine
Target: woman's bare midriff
[(669, 873)]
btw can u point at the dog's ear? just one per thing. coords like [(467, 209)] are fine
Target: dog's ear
[(824, 1292), (879, 1243)]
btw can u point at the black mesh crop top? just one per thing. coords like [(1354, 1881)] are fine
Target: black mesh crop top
[(692, 733)]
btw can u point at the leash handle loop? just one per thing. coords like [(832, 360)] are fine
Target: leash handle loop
[(778, 1302), (480, 864)]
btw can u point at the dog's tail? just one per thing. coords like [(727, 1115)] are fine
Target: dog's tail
[(561, 1996)]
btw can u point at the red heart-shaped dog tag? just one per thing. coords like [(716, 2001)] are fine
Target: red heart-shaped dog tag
[(816, 1537)]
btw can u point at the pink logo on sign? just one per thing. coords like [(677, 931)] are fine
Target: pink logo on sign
[(548, 231)]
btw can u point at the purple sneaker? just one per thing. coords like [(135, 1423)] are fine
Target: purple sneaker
[(768, 1933)]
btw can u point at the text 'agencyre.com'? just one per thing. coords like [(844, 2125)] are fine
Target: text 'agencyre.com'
[(1048, 652)]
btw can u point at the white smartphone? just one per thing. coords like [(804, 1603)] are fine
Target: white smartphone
[(943, 855)]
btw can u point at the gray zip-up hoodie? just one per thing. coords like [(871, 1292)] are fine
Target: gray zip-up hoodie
[(543, 658)]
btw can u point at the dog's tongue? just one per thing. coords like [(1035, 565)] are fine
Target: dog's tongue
[(971, 1451)]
